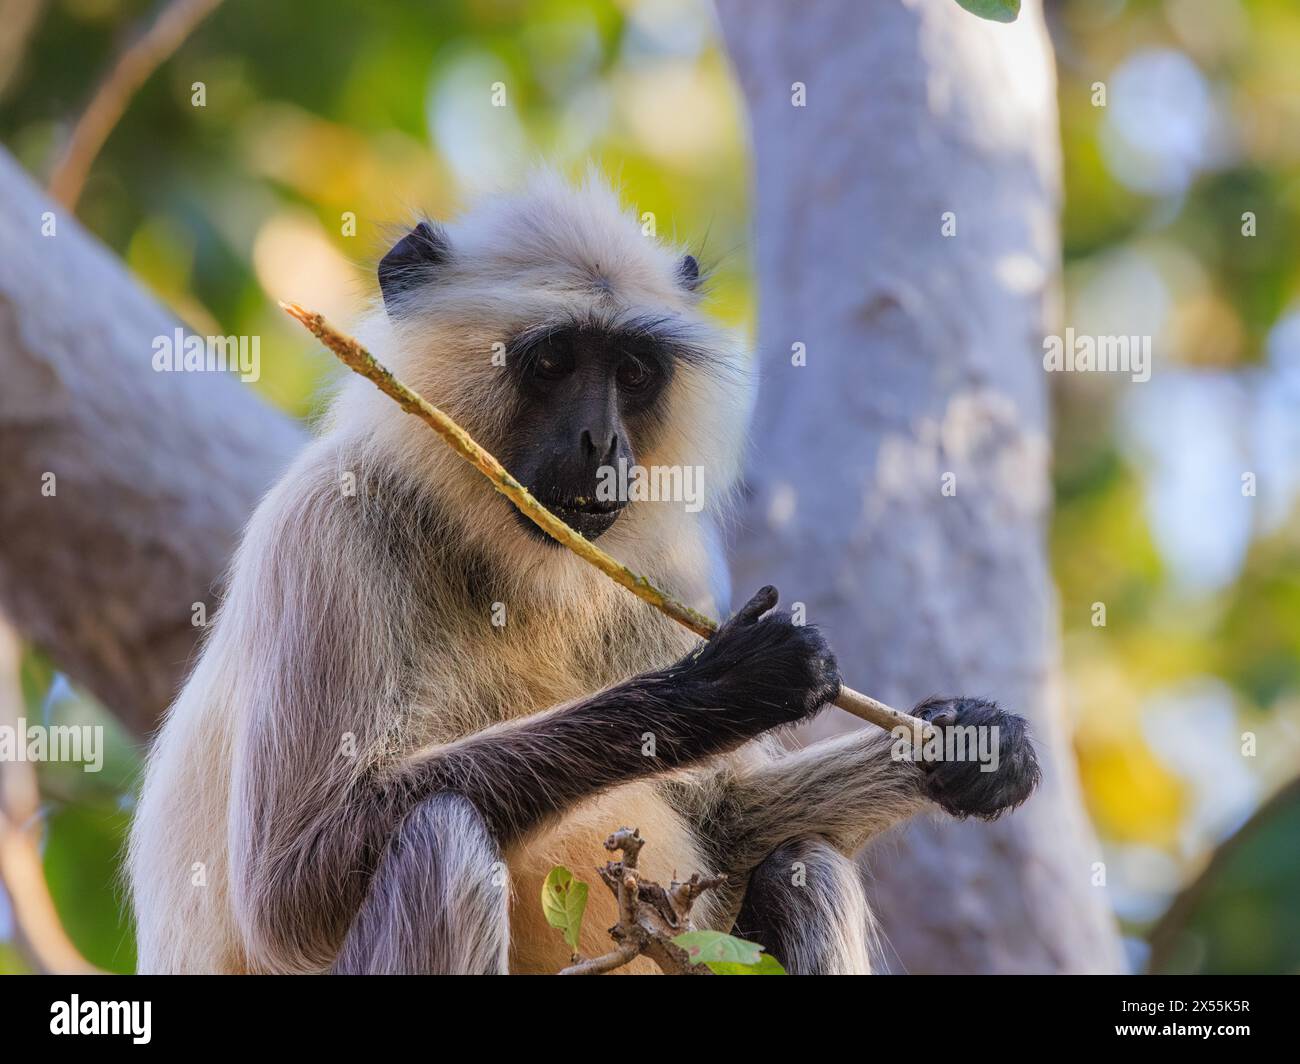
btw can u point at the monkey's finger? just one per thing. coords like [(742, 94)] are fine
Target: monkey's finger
[(939, 712), (764, 599)]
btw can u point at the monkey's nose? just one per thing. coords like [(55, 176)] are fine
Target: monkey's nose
[(591, 449)]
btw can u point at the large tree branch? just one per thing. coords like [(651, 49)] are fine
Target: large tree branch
[(153, 473), (922, 360)]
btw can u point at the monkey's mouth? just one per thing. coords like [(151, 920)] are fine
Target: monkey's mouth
[(590, 517)]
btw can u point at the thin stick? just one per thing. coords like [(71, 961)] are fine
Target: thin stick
[(606, 962), (358, 359), (132, 69)]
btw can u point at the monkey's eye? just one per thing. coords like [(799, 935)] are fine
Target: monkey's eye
[(634, 375), (552, 364)]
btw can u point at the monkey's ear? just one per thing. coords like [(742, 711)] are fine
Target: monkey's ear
[(688, 273), (412, 261)]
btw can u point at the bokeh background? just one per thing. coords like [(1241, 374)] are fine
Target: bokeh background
[(344, 108)]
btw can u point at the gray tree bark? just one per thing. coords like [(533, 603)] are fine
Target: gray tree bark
[(923, 359), (154, 473)]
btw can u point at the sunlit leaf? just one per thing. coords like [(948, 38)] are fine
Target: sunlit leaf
[(767, 965), (564, 900), (726, 954)]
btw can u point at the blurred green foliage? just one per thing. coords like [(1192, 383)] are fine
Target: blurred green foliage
[(1201, 585), (1230, 920), (317, 112)]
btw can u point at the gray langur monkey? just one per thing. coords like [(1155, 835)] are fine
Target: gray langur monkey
[(412, 705)]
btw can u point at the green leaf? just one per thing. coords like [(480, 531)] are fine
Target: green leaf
[(704, 946), (564, 900), (996, 10), (767, 965), (726, 954)]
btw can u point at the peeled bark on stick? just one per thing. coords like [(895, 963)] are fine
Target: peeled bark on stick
[(923, 359)]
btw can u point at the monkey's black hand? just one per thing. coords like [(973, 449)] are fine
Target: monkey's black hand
[(762, 669), (988, 764)]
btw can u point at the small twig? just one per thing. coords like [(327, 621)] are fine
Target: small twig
[(361, 361), (132, 69), (629, 841), (644, 927), (19, 18), (683, 895), (607, 962)]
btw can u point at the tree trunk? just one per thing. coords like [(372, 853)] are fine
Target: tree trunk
[(923, 359), (153, 473)]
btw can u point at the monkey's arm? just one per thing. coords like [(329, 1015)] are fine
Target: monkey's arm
[(753, 675), (852, 787), (846, 789)]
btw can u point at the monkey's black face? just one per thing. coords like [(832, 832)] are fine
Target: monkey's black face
[(588, 397), (588, 393)]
